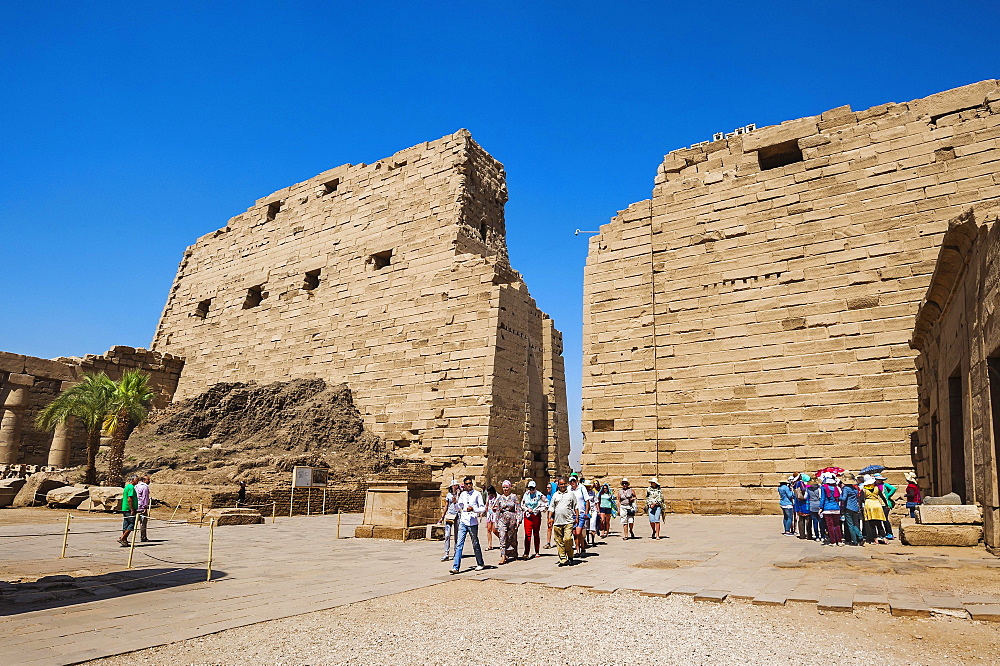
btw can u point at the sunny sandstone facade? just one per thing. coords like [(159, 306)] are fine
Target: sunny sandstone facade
[(957, 334), (751, 319), (394, 278)]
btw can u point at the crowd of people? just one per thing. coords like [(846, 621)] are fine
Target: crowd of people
[(576, 512), (838, 507)]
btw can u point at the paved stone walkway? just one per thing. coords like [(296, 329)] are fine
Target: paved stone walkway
[(297, 565)]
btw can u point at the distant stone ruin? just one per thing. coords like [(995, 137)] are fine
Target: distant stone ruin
[(751, 319), (392, 278)]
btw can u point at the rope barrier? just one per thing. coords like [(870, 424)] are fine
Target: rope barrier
[(169, 561)]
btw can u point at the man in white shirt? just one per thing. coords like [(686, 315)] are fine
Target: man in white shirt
[(583, 504), (563, 516), (470, 507)]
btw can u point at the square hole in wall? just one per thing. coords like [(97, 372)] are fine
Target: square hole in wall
[(779, 155), (330, 186), (380, 260), (202, 310), (603, 425), (311, 280), (272, 210), (254, 297)]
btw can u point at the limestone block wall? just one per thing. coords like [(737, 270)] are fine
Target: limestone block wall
[(394, 278), (957, 334), (751, 319)]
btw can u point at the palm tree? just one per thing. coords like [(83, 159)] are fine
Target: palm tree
[(88, 401), (127, 408)]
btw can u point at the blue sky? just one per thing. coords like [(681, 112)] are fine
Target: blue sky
[(130, 129)]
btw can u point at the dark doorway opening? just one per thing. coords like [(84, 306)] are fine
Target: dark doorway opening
[(993, 365), (956, 434)]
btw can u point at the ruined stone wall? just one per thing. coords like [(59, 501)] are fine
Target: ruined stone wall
[(394, 278), (751, 320), (957, 334), (28, 384)]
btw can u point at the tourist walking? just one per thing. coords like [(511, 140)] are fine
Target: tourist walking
[(654, 506), (874, 512), (914, 496), (786, 500), (144, 500), (450, 517), (533, 504), (491, 516), (548, 523), (830, 508), (850, 506), (594, 514), (606, 507), (470, 507), (508, 517), (814, 491), (888, 493), (626, 509), (563, 516), (130, 505), (801, 489), (579, 530)]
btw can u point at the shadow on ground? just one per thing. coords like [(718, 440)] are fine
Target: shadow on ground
[(66, 590)]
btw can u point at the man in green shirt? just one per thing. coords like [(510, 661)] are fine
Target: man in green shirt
[(130, 503)]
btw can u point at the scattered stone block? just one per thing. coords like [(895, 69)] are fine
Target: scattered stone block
[(33, 492), (842, 602), (232, 516), (940, 535), (907, 607), (9, 489), (949, 499), (717, 596), (950, 514), (67, 496), (984, 612), (105, 498)]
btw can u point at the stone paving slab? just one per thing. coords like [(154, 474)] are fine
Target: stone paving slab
[(296, 565)]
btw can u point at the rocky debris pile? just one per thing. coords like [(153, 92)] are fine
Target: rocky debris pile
[(257, 433), (234, 517), (67, 496), (37, 486), (9, 489)]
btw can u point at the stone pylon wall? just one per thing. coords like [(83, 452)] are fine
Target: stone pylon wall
[(394, 278), (751, 320)]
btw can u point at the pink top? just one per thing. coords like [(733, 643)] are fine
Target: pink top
[(142, 495)]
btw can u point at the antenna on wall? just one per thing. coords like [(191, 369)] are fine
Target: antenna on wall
[(581, 231)]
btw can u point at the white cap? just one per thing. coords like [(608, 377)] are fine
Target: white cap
[(624, 480), (531, 484), (654, 481), (454, 482)]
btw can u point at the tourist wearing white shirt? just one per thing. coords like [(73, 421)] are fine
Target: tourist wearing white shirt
[(470, 507)]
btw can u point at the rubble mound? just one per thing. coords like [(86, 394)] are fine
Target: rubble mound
[(252, 432)]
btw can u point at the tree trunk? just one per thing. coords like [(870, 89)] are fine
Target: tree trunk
[(93, 445), (117, 453)]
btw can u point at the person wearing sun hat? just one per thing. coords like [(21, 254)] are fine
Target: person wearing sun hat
[(626, 508), (914, 496), (533, 504), (800, 487), (786, 501), (450, 518), (654, 506), (850, 503), (874, 511), (888, 494)]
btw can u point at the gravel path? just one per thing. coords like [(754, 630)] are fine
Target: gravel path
[(468, 622)]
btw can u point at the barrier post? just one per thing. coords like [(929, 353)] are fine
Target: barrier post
[(131, 549), (309, 497), (201, 513), (175, 510), (324, 500), (211, 544), (274, 511), (291, 500), (65, 535), (338, 523)]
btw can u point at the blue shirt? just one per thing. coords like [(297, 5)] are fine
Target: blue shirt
[(786, 498), (829, 498), (850, 498)]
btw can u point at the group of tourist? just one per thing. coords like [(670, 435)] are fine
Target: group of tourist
[(576, 511), (841, 508)]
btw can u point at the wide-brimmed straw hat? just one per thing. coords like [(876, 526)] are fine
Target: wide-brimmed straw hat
[(910, 476), (654, 481), (847, 477)]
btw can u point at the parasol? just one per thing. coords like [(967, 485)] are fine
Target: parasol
[(872, 468), (834, 470)]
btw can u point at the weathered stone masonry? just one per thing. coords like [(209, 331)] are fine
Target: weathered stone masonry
[(751, 320), (394, 278)]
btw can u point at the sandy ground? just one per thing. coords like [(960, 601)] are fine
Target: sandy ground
[(469, 622)]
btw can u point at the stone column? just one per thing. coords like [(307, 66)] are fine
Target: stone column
[(62, 442), (14, 395)]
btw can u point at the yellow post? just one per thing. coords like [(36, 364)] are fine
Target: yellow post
[(65, 535), (131, 549), (175, 510), (211, 543), (201, 513), (338, 523), (274, 511)]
